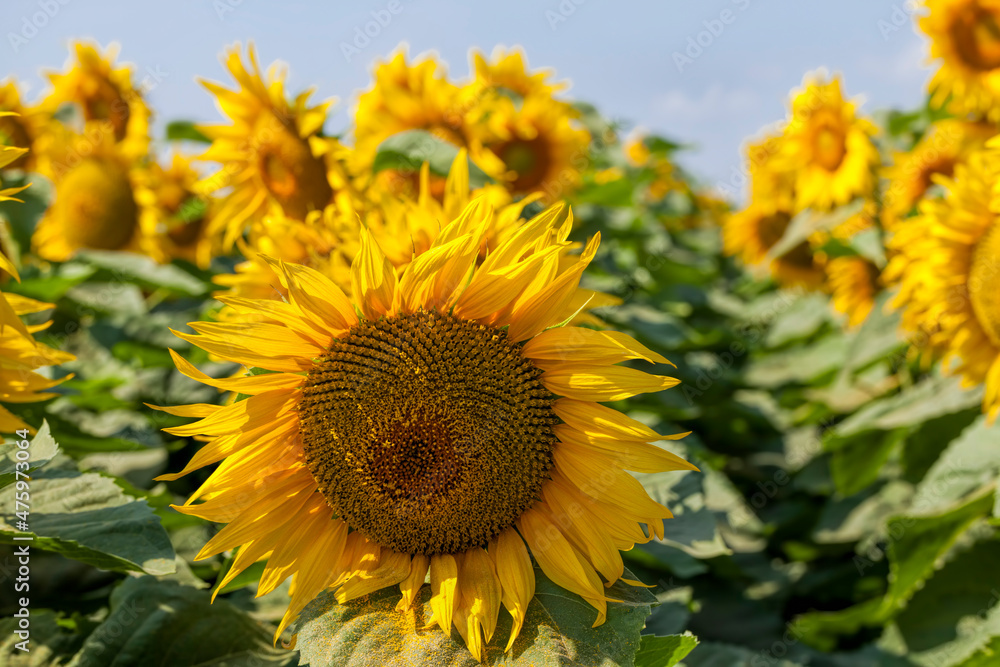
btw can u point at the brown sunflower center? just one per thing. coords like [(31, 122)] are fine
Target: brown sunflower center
[(829, 145), (96, 206), (427, 433), (984, 282), (976, 37), (291, 173), (529, 159), (105, 102), (772, 228)]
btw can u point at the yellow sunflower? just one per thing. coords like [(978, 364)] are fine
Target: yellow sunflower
[(540, 144), (437, 422), (827, 147), (273, 155), (105, 97), (174, 212), (20, 354), (19, 126), (965, 38), (853, 283), (95, 198), (750, 234), (507, 70), (947, 143), (949, 288)]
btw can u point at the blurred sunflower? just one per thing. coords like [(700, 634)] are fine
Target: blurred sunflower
[(965, 38), (945, 144), (272, 156), (507, 70), (415, 96), (751, 235), (539, 143), (20, 354), (95, 202), (827, 147), (104, 96), (19, 126), (356, 481), (176, 215), (949, 291), (853, 282)]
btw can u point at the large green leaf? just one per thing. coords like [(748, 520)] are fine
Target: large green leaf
[(916, 543), (557, 631), (141, 270), (41, 450), (89, 518), (664, 651), (971, 461), (161, 624), (410, 149)]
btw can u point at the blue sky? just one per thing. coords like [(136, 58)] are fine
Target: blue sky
[(619, 55)]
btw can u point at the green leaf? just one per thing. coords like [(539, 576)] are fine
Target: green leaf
[(407, 151), (557, 631), (807, 223), (916, 545), (858, 464), (664, 651), (50, 642), (161, 623), (89, 518), (971, 461), (146, 272), (185, 130), (41, 450)]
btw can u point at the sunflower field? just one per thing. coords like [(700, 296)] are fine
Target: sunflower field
[(486, 379)]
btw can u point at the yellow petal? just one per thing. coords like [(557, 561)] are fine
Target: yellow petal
[(576, 344), (444, 589), (603, 383), (373, 280), (516, 575), (410, 587)]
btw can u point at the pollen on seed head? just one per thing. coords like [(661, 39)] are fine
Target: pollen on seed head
[(427, 433)]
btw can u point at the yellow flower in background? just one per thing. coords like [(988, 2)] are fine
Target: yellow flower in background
[(965, 39), (95, 197), (945, 144), (358, 481), (507, 70), (827, 147), (540, 144), (20, 126), (853, 283), (415, 96), (772, 182), (102, 94), (949, 289), (174, 212), (272, 155), (20, 354), (751, 234)]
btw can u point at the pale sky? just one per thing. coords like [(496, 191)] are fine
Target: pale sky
[(618, 55)]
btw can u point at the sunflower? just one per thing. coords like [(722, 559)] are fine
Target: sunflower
[(965, 38), (19, 126), (949, 288), (853, 282), (95, 202), (20, 354), (439, 422), (507, 71), (827, 147), (945, 144), (273, 156), (175, 213), (105, 97), (751, 234)]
